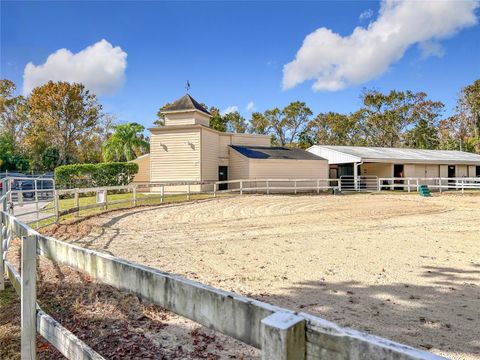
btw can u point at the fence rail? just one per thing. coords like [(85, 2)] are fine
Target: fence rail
[(278, 332)]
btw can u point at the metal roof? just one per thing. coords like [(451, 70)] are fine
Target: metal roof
[(405, 154), (266, 152), (186, 103)]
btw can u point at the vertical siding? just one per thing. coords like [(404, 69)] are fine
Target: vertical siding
[(172, 159), (461, 171), (472, 171), (288, 169), (238, 166), (443, 171), (143, 174), (210, 155)]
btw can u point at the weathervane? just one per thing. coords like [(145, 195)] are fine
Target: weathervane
[(187, 87)]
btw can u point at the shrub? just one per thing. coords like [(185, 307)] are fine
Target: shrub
[(94, 175)]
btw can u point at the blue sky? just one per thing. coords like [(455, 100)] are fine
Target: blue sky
[(232, 53)]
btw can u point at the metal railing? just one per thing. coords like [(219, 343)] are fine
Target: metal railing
[(278, 332)]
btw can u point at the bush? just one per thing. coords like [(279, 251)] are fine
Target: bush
[(94, 175)]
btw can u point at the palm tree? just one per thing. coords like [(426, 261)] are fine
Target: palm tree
[(126, 143)]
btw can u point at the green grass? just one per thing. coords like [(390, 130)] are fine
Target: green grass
[(142, 199), (8, 296)]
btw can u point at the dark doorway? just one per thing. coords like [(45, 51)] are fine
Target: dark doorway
[(222, 176), (451, 171), (451, 174), (478, 171), (398, 172)]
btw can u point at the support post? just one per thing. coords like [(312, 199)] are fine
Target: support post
[(214, 189), (55, 205), (29, 298), (134, 191), (241, 187), (2, 269), (76, 203), (283, 337)]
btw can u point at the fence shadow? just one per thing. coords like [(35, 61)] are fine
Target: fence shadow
[(442, 316)]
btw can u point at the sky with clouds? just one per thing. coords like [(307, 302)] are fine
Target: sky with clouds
[(241, 56)]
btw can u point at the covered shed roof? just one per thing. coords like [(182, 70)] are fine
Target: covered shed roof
[(186, 103), (266, 152), (347, 154)]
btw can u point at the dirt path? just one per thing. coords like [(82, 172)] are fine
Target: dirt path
[(398, 266)]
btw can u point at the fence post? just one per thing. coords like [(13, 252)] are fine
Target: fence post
[(463, 186), (36, 200), (2, 270), (188, 192), (295, 186), (241, 187), (418, 186), (268, 187), (214, 189), (76, 202), (339, 181), (162, 191), (318, 186), (440, 184), (134, 191), (283, 337), (408, 185), (28, 295), (55, 205)]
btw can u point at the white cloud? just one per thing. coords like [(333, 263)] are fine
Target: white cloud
[(336, 62), (100, 67), (367, 14), (250, 106), (230, 109)]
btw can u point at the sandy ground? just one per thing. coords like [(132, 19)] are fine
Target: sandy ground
[(398, 266)]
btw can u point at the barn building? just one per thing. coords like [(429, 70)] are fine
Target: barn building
[(397, 162), (186, 148)]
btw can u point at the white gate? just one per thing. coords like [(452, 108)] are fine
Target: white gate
[(358, 183)]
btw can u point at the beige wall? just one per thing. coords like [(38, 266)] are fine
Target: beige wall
[(250, 140), (288, 169), (172, 158), (461, 171), (143, 174), (472, 171), (238, 167), (210, 155), (187, 118), (377, 169), (443, 171)]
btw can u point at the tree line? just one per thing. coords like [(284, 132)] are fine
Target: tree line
[(394, 119), (61, 123), (58, 124)]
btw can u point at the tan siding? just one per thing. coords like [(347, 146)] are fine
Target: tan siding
[(143, 174), (461, 171), (172, 158), (288, 169), (472, 171), (238, 166), (377, 169), (187, 118), (210, 150), (253, 140), (224, 142), (443, 171)]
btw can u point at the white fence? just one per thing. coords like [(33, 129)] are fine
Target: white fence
[(440, 184), (278, 332)]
